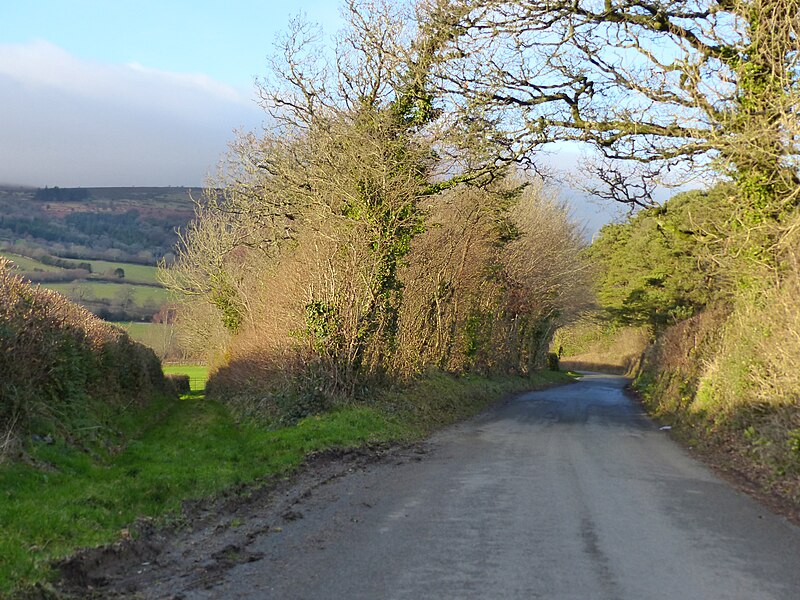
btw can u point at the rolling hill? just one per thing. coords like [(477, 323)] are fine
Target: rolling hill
[(98, 247)]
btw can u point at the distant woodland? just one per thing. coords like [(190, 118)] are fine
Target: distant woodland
[(135, 225)]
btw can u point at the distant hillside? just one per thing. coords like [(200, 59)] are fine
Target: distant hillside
[(130, 224), (116, 291)]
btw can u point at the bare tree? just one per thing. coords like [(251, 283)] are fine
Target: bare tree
[(343, 241), (495, 272), (653, 83), (333, 186)]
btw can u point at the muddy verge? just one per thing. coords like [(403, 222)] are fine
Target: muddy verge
[(212, 536)]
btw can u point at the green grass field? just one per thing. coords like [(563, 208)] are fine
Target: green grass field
[(99, 290), (158, 336), (133, 273), (198, 374), (136, 294), (144, 333), (29, 264)]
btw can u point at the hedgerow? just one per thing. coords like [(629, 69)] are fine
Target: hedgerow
[(65, 373)]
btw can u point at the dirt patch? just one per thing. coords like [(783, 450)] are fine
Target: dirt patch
[(212, 536)]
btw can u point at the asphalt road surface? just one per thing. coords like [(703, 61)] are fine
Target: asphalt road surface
[(567, 493)]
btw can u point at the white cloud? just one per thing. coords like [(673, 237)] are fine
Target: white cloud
[(191, 82), (67, 121)]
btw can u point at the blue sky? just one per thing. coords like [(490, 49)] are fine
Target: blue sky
[(124, 92), (226, 40), (145, 92)]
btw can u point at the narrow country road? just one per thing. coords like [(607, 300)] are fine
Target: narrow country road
[(568, 493)]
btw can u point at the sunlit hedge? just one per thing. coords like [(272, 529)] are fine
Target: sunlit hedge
[(63, 372)]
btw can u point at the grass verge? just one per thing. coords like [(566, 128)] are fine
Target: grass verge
[(63, 499)]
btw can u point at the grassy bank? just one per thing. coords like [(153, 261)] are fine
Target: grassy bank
[(727, 383), (595, 345), (63, 499)]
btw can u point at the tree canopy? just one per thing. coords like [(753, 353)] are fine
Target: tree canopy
[(655, 269)]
